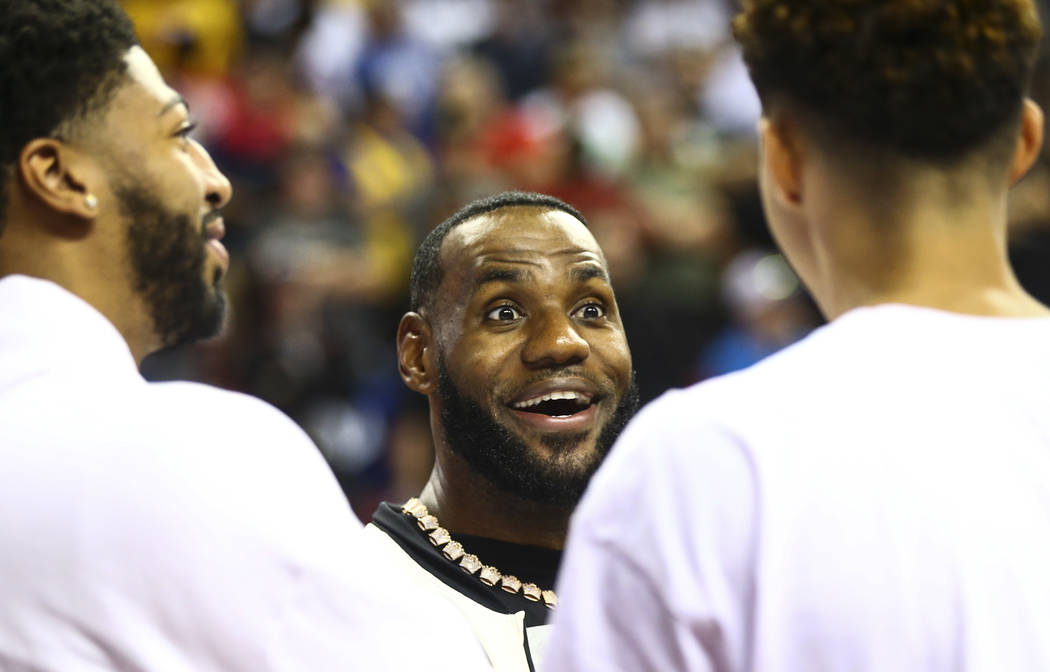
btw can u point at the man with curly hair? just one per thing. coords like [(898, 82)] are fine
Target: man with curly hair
[(150, 526), (874, 497)]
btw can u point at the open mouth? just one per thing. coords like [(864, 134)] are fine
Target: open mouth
[(557, 404), (558, 411)]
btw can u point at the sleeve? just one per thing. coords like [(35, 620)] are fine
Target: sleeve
[(659, 562)]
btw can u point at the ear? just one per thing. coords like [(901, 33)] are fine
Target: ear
[(56, 175), (415, 353), (781, 160), (1030, 141)]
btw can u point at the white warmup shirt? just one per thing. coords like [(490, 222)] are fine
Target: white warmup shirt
[(874, 498), (176, 527)]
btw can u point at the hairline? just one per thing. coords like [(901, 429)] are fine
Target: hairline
[(427, 267), (495, 212), (868, 161)]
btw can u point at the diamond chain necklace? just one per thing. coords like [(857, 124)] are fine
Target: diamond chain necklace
[(468, 562)]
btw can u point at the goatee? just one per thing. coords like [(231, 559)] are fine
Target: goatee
[(167, 256), (504, 459)]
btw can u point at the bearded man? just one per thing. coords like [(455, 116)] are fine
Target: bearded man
[(515, 338), (147, 526)]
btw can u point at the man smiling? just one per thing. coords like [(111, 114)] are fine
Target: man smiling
[(148, 526), (515, 338)]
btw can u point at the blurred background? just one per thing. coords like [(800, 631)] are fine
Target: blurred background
[(350, 128)]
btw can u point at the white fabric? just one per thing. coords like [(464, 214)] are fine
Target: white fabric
[(874, 498), (501, 635), (172, 526)]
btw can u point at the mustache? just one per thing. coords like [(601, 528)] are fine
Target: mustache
[(604, 388), (210, 217)]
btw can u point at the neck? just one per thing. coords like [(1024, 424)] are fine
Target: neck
[(64, 264), (947, 256), (466, 503)]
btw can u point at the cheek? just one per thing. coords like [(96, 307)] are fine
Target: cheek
[(185, 180), (485, 361), (475, 351), (615, 356)]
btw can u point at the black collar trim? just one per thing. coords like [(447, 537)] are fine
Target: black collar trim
[(404, 531)]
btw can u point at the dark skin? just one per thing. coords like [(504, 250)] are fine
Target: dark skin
[(525, 309), (54, 231)]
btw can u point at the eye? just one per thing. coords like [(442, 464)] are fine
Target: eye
[(590, 311), (186, 131), (504, 313)]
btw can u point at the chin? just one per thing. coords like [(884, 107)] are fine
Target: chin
[(560, 446), (214, 315), (207, 320), (214, 277)]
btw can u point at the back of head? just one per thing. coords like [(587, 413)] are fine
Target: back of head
[(60, 61), (930, 80)]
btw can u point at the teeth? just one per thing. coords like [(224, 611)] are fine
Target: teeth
[(552, 396)]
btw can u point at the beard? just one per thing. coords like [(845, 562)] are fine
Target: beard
[(505, 460), (167, 259)]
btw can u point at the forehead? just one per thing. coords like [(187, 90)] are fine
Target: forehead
[(146, 92), (519, 235)]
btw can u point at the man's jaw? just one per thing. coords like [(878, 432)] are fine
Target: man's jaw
[(546, 467)]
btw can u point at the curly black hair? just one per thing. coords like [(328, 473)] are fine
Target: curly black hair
[(928, 79), (426, 267), (60, 60)]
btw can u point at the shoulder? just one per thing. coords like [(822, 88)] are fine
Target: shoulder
[(71, 424), (200, 425), (777, 387), (707, 450), (499, 634), (675, 504), (195, 406), (698, 449), (227, 462), (383, 551), (675, 450), (714, 419)]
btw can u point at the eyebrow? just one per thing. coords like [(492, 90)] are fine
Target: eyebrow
[(490, 275), (174, 102), (588, 273)]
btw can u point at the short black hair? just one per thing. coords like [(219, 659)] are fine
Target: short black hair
[(60, 60), (927, 79), (426, 267)]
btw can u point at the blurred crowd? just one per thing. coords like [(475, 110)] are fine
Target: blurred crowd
[(349, 128)]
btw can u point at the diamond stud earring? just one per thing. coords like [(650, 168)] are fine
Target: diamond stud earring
[(90, 201)]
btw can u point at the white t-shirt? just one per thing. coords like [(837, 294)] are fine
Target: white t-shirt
[(176, 527), (874, 498)]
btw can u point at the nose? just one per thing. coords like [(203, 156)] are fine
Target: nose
[(554, 341), (218, 190)]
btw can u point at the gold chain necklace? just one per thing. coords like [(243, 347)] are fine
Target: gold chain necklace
[(468, 562)]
